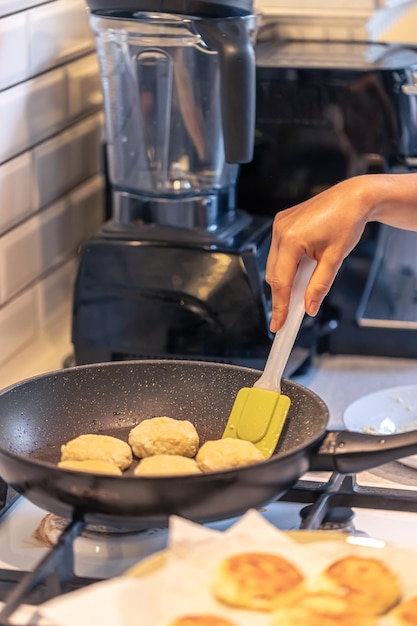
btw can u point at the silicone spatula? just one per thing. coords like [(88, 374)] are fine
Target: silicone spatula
[(259, 412)]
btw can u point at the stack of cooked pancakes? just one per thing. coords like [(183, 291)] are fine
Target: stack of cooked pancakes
[(351, 591)]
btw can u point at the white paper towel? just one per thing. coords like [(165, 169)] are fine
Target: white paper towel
[(182, 583)]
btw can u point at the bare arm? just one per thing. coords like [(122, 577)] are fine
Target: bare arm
[(327, 227)]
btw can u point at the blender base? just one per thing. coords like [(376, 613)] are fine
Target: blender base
[(147, 297)]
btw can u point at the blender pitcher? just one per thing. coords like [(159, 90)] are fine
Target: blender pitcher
[(179, 99)]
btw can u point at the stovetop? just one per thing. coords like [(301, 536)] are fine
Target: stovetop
[(31, 572), (383, 503)]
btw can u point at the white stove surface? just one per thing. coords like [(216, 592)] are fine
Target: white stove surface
[(100, 556)]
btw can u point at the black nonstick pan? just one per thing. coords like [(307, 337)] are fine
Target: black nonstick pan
[(40, 414)]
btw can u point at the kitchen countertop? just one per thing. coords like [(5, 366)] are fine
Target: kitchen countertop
[(341, 379)]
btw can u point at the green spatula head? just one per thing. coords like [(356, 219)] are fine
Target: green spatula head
[(258, 416)]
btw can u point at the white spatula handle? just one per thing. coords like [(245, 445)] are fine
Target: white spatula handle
[(285, 337)]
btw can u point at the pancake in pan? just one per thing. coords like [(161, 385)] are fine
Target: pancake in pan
[(91, 447)]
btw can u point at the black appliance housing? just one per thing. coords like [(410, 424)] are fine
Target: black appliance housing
[(140, 295)]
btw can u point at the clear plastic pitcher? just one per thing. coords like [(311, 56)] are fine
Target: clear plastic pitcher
[(179, 107)]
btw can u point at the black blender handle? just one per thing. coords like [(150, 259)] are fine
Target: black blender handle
[(231, 40)]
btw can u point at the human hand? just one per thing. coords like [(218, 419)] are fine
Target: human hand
[(326, 228)]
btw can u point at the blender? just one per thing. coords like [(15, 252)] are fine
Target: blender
[(177, 270)]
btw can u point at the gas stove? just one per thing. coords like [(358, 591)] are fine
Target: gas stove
[(379, 504), (32, 572)]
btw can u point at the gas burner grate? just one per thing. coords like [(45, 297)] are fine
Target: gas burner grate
[(343, 490)]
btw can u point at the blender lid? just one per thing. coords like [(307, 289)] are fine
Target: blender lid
[(200, 8)]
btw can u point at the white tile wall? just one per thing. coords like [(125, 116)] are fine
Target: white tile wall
[(65, 160), (51, 188), (57, 32), (16, 191), (19, 324), (84, 89), (20, 258), (14, 66), (85, 209), (52, 294), (13, 6)]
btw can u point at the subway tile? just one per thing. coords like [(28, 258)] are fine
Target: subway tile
[(48, 238), (14, 60), (58, 32), (31, 112), (8, 7), (20, 258), (19, 324), (14, 127), (86, 147), (84, 86), (67, 159), (16, 191), (53, 176), (55, 234), (54, 293), (46, 105), (28, 251), (87, 209)]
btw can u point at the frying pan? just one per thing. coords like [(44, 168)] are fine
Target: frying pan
[(40, 414)]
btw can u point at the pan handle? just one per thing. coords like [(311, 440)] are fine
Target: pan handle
[(349, 452)]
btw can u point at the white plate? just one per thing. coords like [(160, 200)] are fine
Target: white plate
[(385, 412)]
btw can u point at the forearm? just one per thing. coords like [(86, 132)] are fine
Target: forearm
[(392, 199), (328, 226)]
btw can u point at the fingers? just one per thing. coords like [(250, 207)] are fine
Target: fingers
[(320, 284), (280, 273), (281, 270)]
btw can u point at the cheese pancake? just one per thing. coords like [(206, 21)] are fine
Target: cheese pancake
[(202, 620), (257, 580), (405, 614), (166, 465), (164, 435), (367, 583), (223, 454), (93, 466), (322, 609), (91, 447)]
